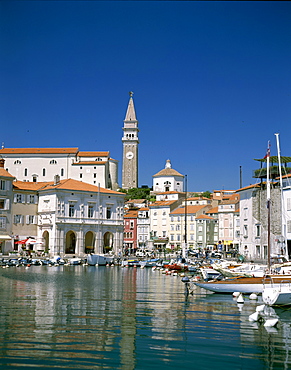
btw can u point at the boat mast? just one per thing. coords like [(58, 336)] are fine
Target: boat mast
[(283, 224), (269, 205)]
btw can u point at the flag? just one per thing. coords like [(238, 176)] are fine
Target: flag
[(268, 151)]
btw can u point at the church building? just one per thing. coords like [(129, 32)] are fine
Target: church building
[(168, 179)]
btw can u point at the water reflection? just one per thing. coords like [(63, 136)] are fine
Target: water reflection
[(92, 318)]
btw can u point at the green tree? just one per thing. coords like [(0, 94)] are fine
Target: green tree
[(206, 194), (138, 193)]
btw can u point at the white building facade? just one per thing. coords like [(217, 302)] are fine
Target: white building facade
[(143, 227), (78, 218), (43, 164)]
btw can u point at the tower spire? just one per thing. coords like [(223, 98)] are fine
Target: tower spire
[(130, 113)]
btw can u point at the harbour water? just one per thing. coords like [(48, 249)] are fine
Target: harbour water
[(86, 317)]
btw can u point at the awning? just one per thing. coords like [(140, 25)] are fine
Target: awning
[(5, 237), (28, 241), (21, 241)]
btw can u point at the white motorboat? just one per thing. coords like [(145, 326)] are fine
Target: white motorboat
[(209, 273), (245, 269), (279, 295), (99, 259), (75, 261)]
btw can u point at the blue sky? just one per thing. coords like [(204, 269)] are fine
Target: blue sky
[(211, 82)]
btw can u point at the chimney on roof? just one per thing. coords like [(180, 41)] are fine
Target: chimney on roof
[(2, 162), (56, 179)]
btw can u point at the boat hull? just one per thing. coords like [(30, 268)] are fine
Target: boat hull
[(149, 263), (277, 296), (246, 285), (99, 260)]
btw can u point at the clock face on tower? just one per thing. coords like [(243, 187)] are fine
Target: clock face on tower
[(129, 155)]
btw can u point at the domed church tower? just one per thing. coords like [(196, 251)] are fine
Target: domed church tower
[(168, 179)]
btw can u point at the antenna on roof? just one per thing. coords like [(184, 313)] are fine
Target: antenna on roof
[(2, 144)]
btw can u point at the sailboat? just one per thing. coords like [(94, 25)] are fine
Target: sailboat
[(252, 284)]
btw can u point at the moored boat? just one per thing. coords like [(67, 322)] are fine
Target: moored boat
[(246, 269), (244, 284), (99, 259), (210, 273), (279, 295), (149, 263), (75, 261), (130, 263)]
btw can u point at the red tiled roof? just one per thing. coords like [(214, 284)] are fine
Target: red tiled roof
[(249, 187), (131, 214), (168, 172), (189, 210), (162, 203), (4, 173), (70, 184), (39, 151), (93, 154), (25, 185), (213, 210), (204, 217)]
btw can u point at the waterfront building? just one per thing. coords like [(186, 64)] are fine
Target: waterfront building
[(255, 233), (213, 213), (254, 220), (160, 218), (130, 147), (143, 227), (6, 197), (79, 218), (177, 230), (25, 215), (229, 222), (130, 231), (206, 232), (168, 180), (43, 164)]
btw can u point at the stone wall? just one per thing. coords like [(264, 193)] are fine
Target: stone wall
[(260, 211)]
